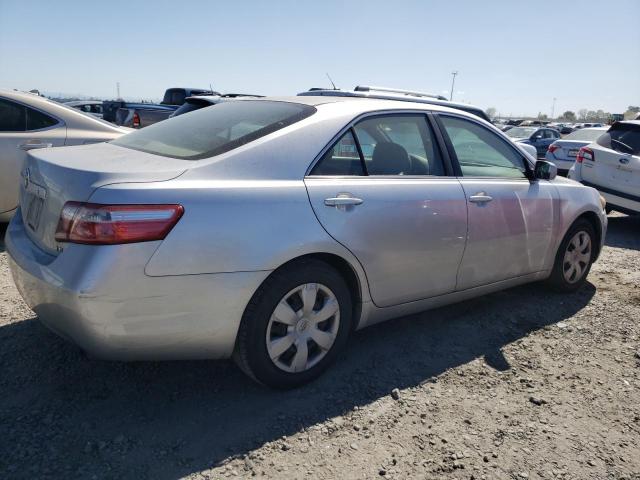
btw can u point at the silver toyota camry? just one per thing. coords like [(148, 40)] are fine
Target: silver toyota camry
[(269, 229)]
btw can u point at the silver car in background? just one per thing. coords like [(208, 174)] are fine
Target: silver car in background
[(563, 152), (269, 229), (29, 122)]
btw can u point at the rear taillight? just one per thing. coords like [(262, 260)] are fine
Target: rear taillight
[(585, 154), (136, 120), (553, 147), (96, 224)]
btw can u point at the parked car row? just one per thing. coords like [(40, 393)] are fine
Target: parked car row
[(268, 229)]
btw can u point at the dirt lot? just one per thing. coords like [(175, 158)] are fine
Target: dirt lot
[(515, 385)]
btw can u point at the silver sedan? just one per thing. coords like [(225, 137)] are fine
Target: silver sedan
[(29, 122), (269, 229)]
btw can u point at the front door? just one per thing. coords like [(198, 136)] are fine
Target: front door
[(22, 129), (510, 218), (383, 192)]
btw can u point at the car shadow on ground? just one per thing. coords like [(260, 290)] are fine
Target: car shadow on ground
[(62, 413), (623, 232)]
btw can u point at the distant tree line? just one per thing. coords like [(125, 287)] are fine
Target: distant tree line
[(583, 115)]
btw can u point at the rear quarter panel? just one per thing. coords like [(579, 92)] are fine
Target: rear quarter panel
[(232, 225)]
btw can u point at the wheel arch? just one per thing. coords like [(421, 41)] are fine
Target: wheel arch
[(593, 219), (348, 272)]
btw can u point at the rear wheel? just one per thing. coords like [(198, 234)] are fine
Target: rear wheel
[(574, 258), (295, 325)]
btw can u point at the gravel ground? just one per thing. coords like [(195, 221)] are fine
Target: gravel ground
[(515, 385)]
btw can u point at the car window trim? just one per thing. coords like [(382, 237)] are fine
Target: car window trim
[(60, 123), (454, 157), (449, 173)]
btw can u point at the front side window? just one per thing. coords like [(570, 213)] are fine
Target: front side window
[(480, 152), (13, 117), (215, 130)]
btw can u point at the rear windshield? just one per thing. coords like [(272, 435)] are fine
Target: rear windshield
[(622, 137), (589, 134), (214, 130)]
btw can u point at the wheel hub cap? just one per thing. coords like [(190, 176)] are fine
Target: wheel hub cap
[(303, 327)]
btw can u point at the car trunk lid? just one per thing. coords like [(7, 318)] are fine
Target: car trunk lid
[(54, 176), (568, 149)]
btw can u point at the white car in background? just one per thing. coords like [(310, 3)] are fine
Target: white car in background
[(29, 121), (611, 165), (563, 152)]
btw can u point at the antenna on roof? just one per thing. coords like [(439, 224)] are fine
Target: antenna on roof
[(332, 84)]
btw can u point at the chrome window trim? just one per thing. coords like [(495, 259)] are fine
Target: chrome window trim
[(377, 113), (61, 123)]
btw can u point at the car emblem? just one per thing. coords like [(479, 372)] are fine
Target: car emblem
[(624, 161), (26, 174)]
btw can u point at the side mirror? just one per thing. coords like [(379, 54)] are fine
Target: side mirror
[(536, 137), (545, 170)]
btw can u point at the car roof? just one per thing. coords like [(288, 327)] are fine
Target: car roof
[(399, 96)]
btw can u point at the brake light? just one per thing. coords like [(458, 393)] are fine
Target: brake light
[(136, 120), (553, 147), (585, 154), (95, 224)]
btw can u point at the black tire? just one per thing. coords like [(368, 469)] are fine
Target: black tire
[(557, 280), (251, 353)]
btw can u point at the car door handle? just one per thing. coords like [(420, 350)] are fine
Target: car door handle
[(480, 197), (342, 201), (32, 145)]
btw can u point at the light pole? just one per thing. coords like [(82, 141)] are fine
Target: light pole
[(453, 82), (553, 108)]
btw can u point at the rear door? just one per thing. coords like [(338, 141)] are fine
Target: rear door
[(511, 219), (22, 128), (383, 191), (615, 169)]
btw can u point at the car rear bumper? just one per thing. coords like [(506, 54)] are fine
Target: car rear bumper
[(563, 165), (100, 299)]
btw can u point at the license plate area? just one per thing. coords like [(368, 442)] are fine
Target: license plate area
[(34, 211), (573, 152)]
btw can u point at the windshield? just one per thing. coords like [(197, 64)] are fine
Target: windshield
[(589, 134), (520, 132), (214, 130)]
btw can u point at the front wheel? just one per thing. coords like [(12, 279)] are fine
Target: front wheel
[(295, 325), (574, 258)]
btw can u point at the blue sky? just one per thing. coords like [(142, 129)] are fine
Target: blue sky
[(514, 56)]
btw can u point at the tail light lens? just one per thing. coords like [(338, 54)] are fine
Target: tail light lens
[(96, 224), (136, 120), (585, 154), (553, 147)]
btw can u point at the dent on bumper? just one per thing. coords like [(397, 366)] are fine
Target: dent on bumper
[(112, 310)]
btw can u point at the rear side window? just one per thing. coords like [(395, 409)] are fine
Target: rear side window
[(342, 159), (13, 117), (215, 130), (622, 137), (390, 145), (37, 120)]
